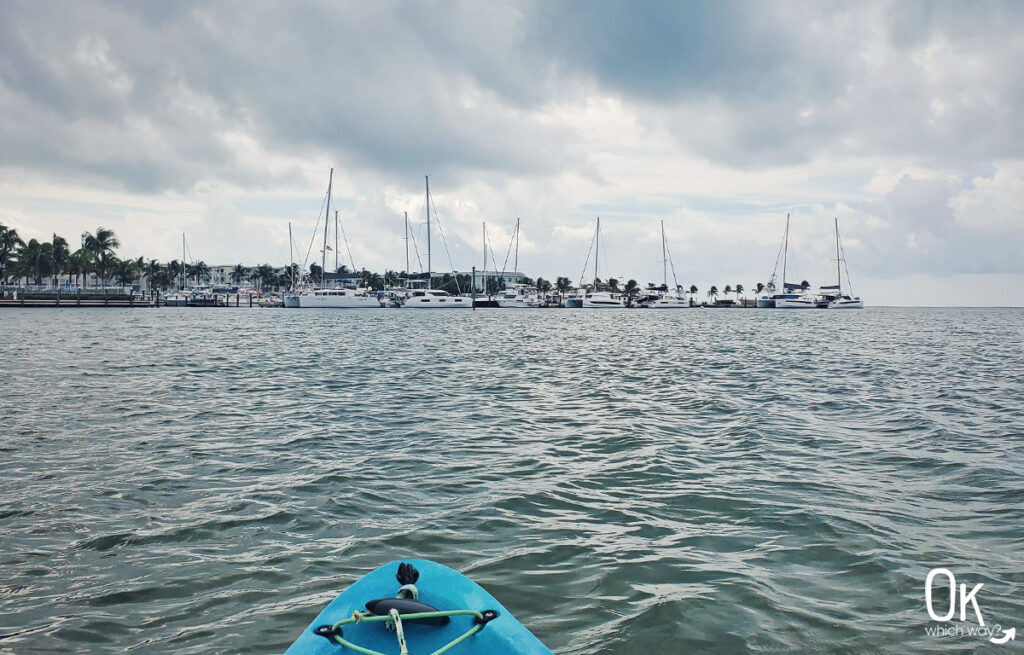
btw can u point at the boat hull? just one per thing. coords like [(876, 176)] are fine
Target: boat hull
[(338, 302), (847, 304), (440, 587), (795, 304), (575, 303), (449, 302)]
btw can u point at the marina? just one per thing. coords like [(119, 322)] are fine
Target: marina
[(239, 412)]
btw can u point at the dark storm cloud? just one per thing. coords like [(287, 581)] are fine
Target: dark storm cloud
[(156, 95), (757, 85), (145, 94)]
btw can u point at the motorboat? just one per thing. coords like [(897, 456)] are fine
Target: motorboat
[(518, 296), (603, 300)]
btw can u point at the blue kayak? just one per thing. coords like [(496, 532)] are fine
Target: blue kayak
[(415, 606)]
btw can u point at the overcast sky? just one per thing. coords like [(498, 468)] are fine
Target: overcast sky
[(222, 119)]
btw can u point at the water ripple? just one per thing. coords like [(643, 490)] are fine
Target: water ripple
[(630, 482)]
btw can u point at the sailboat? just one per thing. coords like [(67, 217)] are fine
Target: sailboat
[(335, 298), (833, 295), (601, 299), (667, 299), (291, 297), (431, 298), (793, 296)]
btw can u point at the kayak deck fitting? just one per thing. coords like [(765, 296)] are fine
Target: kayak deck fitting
[(476, 624)]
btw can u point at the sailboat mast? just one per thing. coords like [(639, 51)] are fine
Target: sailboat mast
[(484, 269), (785, 254), (597, 250), (336, 240), (291, 256), (664, 258), (430, 282), (407, 245), (327, 221), (515, 263), (182, 287), (839, 275)]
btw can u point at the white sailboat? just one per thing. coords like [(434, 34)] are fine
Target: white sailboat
[(834, 295), (431, 298), (327, 298), (669, 298), (793, 296), (595, 299)]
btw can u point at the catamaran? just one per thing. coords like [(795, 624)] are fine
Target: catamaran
[(595, 299), (328, 298), (667, 298), (833, 295), (431, 298), (793, 296)]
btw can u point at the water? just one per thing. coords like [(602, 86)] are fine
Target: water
[(201, 481)]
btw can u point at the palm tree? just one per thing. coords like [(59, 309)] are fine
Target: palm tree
[(760, 287), (563, 284), (102, 246), (264, 276), (391, 278), (152, 269), (81, 263), (543, 285), (10, 242), (173, 271), (738, 290), (613, 284), (61, 254), (239, 273), (693, 289), (727, 290), (125, 271), (713, 293), (804, 285), (35, 261), (202, 272)]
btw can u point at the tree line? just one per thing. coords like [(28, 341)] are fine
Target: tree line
[(36, 261)]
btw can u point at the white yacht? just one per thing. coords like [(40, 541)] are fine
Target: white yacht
[(574, 299), (793, 296), (669, 300), (666, 298), (595, 298), (436, 299), (331, 298), (603, 300), (339, 299), (176, 299), (838, 299), (846, 302), (518, 295)]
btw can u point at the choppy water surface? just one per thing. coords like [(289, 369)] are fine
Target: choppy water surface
[(199, 481)]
